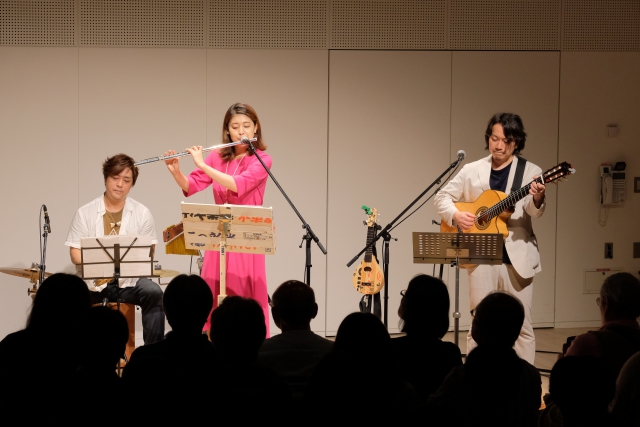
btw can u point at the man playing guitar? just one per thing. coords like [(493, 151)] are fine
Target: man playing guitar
[(505, 139)]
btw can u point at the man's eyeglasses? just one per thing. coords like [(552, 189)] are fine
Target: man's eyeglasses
[(403, 292)]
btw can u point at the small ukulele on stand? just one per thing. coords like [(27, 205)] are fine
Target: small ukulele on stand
[(368, 278)]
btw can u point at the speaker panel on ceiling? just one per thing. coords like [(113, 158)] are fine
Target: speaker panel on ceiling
[(38, 23), (601, 25), (268, 24), (147, 23), (504, 24), (393, 24)]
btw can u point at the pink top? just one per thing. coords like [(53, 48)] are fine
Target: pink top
[(248, 173)]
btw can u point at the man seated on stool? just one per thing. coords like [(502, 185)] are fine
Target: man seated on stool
[(114, 213), (294, 354)]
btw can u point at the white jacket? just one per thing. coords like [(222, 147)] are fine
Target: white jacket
[(471, 182)]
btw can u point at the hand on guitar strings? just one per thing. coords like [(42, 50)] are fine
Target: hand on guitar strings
[(464, 220), (537, 191)]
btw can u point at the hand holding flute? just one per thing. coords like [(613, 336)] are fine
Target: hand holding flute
[(173, 165)]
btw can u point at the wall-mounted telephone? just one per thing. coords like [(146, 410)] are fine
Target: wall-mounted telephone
[(612, 184)]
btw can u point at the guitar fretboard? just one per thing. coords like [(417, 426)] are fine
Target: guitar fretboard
[(509, 201), (371, 232)]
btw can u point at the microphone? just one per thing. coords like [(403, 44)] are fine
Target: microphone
[(461, 155), (245, 140), (46, 219)]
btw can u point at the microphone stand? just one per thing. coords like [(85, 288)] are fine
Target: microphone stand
[(385, 234), (309, 234), (46, 229)]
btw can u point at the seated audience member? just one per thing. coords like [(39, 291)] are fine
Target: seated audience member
[(294, 353), (38, 362), (424, 360), (237, 332), (187, 302), (358, 378), (619, 336), (581, 388), (494, 387), (101, 338), (626, 404)]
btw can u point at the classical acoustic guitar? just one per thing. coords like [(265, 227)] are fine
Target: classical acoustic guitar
[(368, 278), (493, 208)]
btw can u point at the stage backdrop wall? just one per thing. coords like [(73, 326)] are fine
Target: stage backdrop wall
[(346, 128)]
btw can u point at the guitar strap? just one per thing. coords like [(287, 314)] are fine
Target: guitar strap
[(517, 179)]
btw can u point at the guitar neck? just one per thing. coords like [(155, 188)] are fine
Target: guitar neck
[(510, 200), (371, 231)]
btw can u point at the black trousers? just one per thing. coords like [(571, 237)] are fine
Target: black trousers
[(148, 295)]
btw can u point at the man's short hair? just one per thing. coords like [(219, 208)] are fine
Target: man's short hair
[(513, 130), (622, 291), (295, 302), (187, 302), (499, 316), (238, 328), (115, 165)]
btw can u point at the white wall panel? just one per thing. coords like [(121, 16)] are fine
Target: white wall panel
[(288, 89), (141, 102), (485, 83), (597, 89), (388, 140), (39, 140)]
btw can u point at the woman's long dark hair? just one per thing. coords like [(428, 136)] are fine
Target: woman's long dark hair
[(60, 301), (227, 153)]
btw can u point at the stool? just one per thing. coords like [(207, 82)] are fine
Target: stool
[(129, 312)]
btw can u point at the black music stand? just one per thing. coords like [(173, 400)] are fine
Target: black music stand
[(104, 257), (456, 249)]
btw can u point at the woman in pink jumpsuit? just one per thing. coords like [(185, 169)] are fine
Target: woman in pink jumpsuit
[(238, 178)]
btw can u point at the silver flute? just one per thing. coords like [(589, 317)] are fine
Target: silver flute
[(186, 153)]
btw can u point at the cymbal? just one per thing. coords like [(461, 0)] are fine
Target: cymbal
[(166, 273), (27, 273)]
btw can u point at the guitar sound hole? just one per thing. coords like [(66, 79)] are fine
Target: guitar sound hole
[(367, 269), (481, 219)]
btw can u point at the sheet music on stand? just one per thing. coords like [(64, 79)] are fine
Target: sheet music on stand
[(126, 256), (251, 228), (228, 228), (467, 248)]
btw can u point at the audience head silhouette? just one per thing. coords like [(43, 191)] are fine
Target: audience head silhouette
[(60, 301), (363, 334), (238, 329), (187, 303), (103, 334), (498, 320), (424, 308), (293, 306), (620, 297)]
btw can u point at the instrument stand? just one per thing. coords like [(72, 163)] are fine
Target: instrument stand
[(370, 303), (98, 258), (454, 249), (46, 229), (224, 227), (306, 239), (385, 267), (309, 234), (385, 232)]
